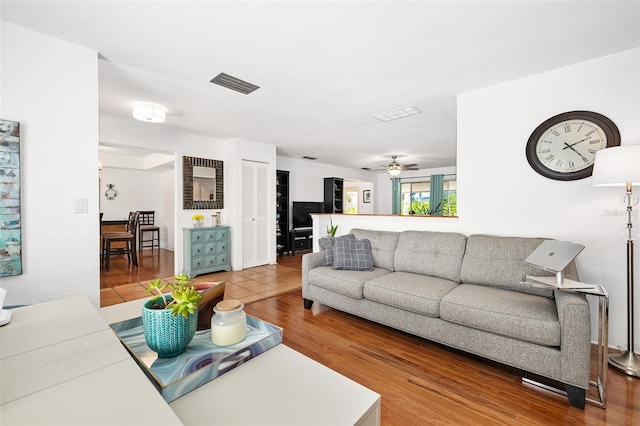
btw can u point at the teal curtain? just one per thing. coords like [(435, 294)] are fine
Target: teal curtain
[(436, 195), (396, 196)]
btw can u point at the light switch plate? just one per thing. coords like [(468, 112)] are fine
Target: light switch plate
[(80, 205)]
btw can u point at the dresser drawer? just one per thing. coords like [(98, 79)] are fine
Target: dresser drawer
[(206, 250), (207, 235), (207, 262)]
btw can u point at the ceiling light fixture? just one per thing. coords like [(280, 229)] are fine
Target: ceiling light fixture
[(395, 114), (148, 112), (394, 170)]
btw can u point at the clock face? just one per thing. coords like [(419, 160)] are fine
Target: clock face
[(564, 147)]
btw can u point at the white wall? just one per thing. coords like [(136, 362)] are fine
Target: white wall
[(360, 186), (57, 107), (164, 139), (493, 127), (499, 193), (306, 180), (139, 190)]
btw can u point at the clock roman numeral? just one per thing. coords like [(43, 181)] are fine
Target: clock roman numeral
[(590, 133), (544, 151), (594, 141), (549, 158), (571, 165), (567, 128), (555, 133), (559, 163)]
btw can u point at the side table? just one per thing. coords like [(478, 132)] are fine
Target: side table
[(600, 381), (602, 356)]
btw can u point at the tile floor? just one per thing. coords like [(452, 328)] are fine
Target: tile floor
[(248, 285)]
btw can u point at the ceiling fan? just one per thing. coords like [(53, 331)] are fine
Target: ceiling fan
[(394, 168)]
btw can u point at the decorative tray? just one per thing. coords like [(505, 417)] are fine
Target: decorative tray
[(201, 362)]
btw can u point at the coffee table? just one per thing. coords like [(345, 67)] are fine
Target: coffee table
[(60, 363), (278, 387)]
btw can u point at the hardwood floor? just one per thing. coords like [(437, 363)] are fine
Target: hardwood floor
[(422, 383), (151, 265)]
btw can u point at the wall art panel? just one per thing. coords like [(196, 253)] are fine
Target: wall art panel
[(10, 223)]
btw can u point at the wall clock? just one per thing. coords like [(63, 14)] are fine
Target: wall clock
[(564, 146), (111, 192)]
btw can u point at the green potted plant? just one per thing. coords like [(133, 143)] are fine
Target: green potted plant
[(332, 229), (169, 320)]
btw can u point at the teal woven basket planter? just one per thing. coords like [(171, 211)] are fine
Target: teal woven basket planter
[(166, 334)]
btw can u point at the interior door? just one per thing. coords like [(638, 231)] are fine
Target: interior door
[(255, 214)]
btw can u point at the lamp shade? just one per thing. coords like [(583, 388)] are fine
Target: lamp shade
[(617, 166), (146, 111)]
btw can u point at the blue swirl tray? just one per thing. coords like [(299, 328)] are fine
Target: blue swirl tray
[(201, 362)]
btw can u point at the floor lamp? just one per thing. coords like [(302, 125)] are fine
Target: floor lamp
[(620, 166)]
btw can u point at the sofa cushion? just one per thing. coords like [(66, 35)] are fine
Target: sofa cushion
[(499, 262), (347, 283), (383, 246), (438, 254), (327, 244), (353, 255), (411, 292), (513, 314)]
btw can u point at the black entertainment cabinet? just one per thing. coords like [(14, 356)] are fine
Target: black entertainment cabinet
[(301, 234), (301, 239), (282, 212), (333, 195)]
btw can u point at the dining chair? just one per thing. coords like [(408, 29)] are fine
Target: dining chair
[(128, 237), (146, 223)]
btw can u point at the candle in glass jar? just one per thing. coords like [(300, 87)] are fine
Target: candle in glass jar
[(228, 323)]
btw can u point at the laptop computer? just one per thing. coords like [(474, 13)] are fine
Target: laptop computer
[(554, 255)]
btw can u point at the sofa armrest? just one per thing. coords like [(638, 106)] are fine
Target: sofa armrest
[(575, 331), (310, 261)]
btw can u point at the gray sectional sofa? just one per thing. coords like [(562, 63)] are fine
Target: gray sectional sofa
[(463, 292)]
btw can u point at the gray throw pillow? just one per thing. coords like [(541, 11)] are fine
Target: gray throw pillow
[(352, 254), (327, 244)]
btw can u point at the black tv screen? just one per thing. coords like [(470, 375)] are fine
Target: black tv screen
[(302, 212)]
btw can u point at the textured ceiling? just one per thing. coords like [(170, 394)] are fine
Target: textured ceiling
[(326, 68)]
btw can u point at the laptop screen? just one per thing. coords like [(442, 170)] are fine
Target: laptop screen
[(554, 255)]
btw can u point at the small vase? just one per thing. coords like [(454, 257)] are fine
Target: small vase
[(166, 334), (198, 223)]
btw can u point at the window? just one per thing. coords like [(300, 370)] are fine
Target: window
[(416, 200)]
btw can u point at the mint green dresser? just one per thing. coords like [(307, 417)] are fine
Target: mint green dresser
[(206, 250)]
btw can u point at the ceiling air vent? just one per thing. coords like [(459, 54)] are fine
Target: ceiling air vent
[(234, 83)]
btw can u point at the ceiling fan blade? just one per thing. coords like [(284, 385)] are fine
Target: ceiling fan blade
[(409, 165)]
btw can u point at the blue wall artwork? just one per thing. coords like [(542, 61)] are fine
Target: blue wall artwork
[(10, 224)]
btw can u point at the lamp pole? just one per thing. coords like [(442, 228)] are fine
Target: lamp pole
[(628, 362)]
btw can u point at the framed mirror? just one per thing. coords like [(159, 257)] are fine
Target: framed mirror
[(202, 184)]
